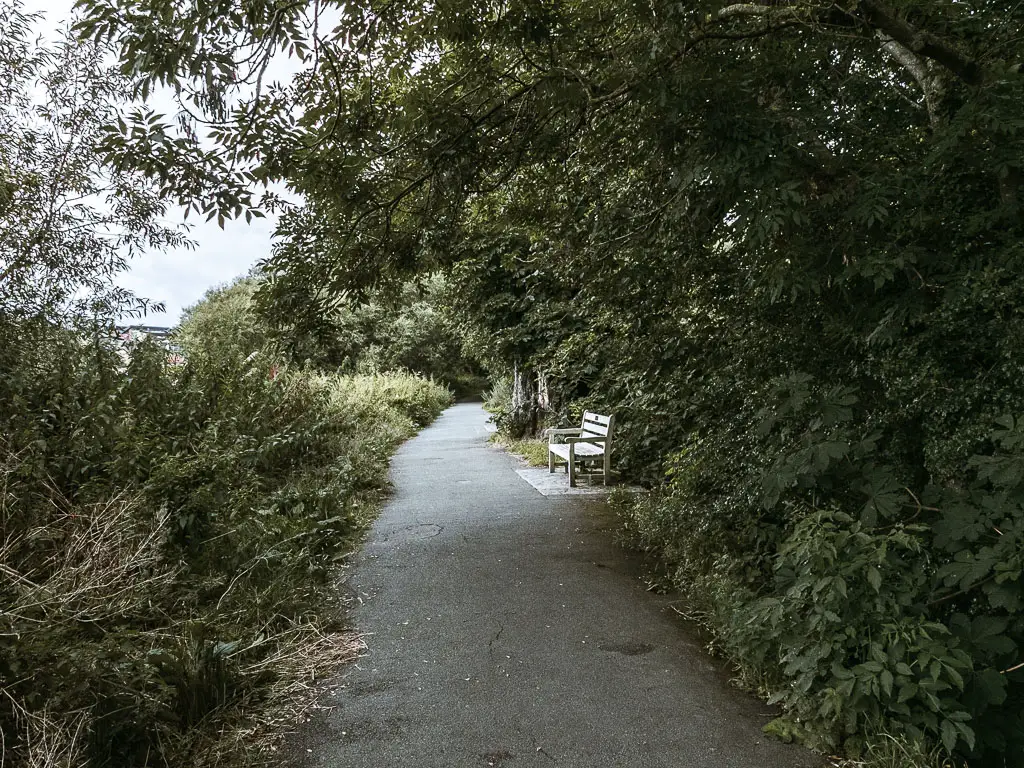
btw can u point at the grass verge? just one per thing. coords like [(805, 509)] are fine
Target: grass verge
[(533, 452)]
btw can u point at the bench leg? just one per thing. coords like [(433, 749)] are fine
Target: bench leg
[(551, 463), (572, 469)]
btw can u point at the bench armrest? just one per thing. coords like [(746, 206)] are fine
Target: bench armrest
[(553, 432), (589, 439)]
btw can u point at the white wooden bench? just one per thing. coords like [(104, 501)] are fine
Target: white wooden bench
[(589, 443)]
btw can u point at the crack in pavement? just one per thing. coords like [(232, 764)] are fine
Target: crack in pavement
[(490, 645), (540, 750)]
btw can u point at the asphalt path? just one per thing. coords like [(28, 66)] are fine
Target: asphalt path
[(504, 628)]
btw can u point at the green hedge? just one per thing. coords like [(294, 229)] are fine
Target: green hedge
[(859, 606)]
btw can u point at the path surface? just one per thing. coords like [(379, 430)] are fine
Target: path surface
[(504, 628)]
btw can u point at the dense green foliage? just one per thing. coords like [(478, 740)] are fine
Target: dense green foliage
[(405, 331), (167, 532), (168, 535), (783, 242)]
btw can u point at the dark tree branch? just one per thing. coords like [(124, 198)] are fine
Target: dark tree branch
[(920, 42), (876, 15)]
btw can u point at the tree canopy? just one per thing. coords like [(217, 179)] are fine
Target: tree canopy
[(68, 222)]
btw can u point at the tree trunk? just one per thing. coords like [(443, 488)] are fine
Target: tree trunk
[(523, 419)]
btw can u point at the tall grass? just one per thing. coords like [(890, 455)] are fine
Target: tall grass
[(169, 600)]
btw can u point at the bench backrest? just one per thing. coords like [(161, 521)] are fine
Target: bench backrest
[(596, 425)]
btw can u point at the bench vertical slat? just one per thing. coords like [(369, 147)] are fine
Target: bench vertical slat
[(608, 451)]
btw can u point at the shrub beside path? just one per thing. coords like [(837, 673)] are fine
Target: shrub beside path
[(504, 628)]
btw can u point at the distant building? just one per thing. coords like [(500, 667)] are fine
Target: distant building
[(138, 332), (133, 334)]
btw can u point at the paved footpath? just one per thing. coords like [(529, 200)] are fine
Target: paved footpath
[(504, 628)]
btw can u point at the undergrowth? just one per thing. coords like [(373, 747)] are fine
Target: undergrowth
[(167, 537), (888, 627)]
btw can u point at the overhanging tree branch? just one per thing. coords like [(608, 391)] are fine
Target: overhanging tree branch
[(920, 42), (930, 83), (876, 15), (756, 10)]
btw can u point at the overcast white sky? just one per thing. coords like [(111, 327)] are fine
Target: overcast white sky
[(180, 278)]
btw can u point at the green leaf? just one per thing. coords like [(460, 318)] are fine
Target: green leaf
[(950, 734), (954, 675), (874, 578), (990, 686), (885, 679), (906, 692)]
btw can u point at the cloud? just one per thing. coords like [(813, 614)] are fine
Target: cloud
[(179, 278)]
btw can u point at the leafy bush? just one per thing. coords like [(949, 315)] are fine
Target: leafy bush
[(900, 617), (168, 536), (498, 401), (405, 329), (840, 623)]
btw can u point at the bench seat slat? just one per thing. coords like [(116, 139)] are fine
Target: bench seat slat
[(582, 449)]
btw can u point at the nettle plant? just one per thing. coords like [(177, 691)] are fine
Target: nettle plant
[(854, 650), (885, 608)]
